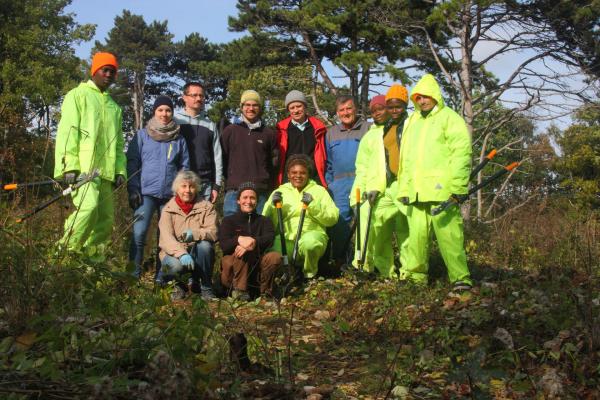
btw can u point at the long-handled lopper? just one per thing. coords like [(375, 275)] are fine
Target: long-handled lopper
[(357, 227), (482, 164), (457, 199), (15, 186), (363, 257), (285, 279), (284, 256), (84, 179)]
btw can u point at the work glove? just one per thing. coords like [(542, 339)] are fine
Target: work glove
[(188, 236), (70, 177), (277, 197), (187, 261), (135, 200), (404, 200), (119, 180), (307, 198), (372, 196)]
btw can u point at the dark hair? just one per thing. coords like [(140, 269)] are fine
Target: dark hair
[(344, 98), (187, 86), (300, 159)]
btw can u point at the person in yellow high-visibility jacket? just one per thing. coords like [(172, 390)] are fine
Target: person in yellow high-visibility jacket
[(90, 137), (435, 159), (376, 168), (320, 214)]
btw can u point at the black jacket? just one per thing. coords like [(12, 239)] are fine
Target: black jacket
[(249, 155), (244, 224)]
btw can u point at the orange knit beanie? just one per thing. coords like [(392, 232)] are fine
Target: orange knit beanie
[(397, 92), (101, 59)]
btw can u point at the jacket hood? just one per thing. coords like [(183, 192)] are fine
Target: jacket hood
[(427, 86)]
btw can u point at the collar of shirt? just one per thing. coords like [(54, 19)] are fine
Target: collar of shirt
[(300, 126), (252, 125), (356, 125)]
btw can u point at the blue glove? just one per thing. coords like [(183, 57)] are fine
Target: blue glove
[(188, 236), (187, 261)]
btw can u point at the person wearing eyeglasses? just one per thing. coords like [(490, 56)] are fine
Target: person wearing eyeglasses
[(435, 161), (203, 141), (250, 153)]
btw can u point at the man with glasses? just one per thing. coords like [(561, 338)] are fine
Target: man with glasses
[(250, 154), (435, 160), (202, 138), (376, 169)]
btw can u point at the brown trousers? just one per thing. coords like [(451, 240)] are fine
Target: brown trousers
[(236, 274)]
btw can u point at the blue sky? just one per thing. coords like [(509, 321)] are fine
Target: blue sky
[(207, 17)]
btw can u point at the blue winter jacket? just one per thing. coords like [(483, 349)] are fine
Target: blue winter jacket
[(341, 145), (152, 165)]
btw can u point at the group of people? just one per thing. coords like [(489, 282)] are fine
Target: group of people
[(179, 162)]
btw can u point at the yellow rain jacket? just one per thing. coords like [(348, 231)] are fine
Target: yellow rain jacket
[(90, 134), (435, 152)]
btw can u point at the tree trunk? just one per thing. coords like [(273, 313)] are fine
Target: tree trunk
[(316, 61), (364, 92), (466, 85), (138, 100)]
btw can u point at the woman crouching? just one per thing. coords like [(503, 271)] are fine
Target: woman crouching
[(188, 230)]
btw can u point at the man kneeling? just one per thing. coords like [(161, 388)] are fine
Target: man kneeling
[(245, 237)]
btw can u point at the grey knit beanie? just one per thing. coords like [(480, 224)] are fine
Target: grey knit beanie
[(295, 95)]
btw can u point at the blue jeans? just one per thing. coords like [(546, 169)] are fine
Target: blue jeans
[(203, 254), (230, 205), (143, 216)]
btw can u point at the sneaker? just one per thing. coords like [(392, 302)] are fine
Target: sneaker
[(208, 294), (178, 293), (240, 295), (460, 286)]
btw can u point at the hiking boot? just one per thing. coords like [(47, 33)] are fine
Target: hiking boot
[(208, 294), (460, 286), (241, 295), (178, 293)]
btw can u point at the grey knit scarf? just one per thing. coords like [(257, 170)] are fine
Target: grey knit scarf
[(160, 132)]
